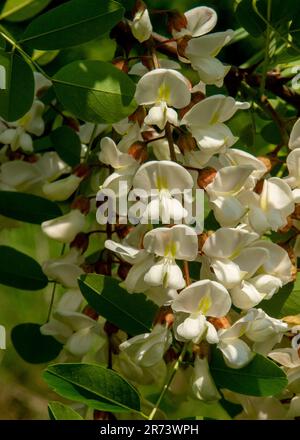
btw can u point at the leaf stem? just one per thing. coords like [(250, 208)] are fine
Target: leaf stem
[(23, 53), (168, 382)]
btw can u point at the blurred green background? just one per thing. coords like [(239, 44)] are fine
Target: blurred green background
[(23, 393)]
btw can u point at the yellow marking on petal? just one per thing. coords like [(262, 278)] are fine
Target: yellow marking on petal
[(205, 304), (170, 249), (215, 118), (164, 92), (161, 183), (24, 120)]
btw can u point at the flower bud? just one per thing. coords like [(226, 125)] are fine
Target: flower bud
[(186, 142), (65, 227), (203, 385), (138, 151), (176, 21), (182, 45), (138, 116), (123, 270), (103, 268), (80, 242), (121, 64), (90, 312), (205, 177), (61, 189), (141, 26), (82, 170), (110, 328), (82, 203)]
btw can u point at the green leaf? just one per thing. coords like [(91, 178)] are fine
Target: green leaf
[(72, 23), (93, 385), (248, 18), (59, 411), (27, 207), (32, 346), (95, 91), (262, 377), (292, 303), (67, 144), (20, 10), (271, 133), (131, 312), (16, 99), (274, 306), (20, 271)]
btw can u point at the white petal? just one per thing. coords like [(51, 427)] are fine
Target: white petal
[(61, 189), (165, 85), (192, 328), (236, 354), (165, 273), (65, 227), (227, 272), (203, 385), (207, 297), (294, 141), (179, 242), (245, 296), (141, 26)]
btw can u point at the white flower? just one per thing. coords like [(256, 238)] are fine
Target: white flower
[(293, 165), (61, 189), (270, 209), (294, 141), (66, 227), (65, 270), (203, 385), (201, 53), (141, 26), (148, 349), (170, 244), (163, 181), (200, 299), (230, 256), (155, 265), (206, 120), (257, 326), (111, 155), (223, 193), (164, 88), (200, 21)]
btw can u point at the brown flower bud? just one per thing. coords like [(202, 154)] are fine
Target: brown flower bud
[(170, 355), (138, 151), (259, 186), (182, 45), (110, 328), (123, 230), (33, 158), (206, 176), (103, 268), (138, 116), (121, 64), (123, 270), (87, 267), (164, 316), (219, 323), (103, 415), (90, 312), (82, 203), (123, 36), (186, 142), (72, 123), (288, 225), (82, 170), (176, 21), (201, 240), (80, 242)]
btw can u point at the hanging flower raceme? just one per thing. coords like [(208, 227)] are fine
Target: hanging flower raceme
[(163, 89)]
